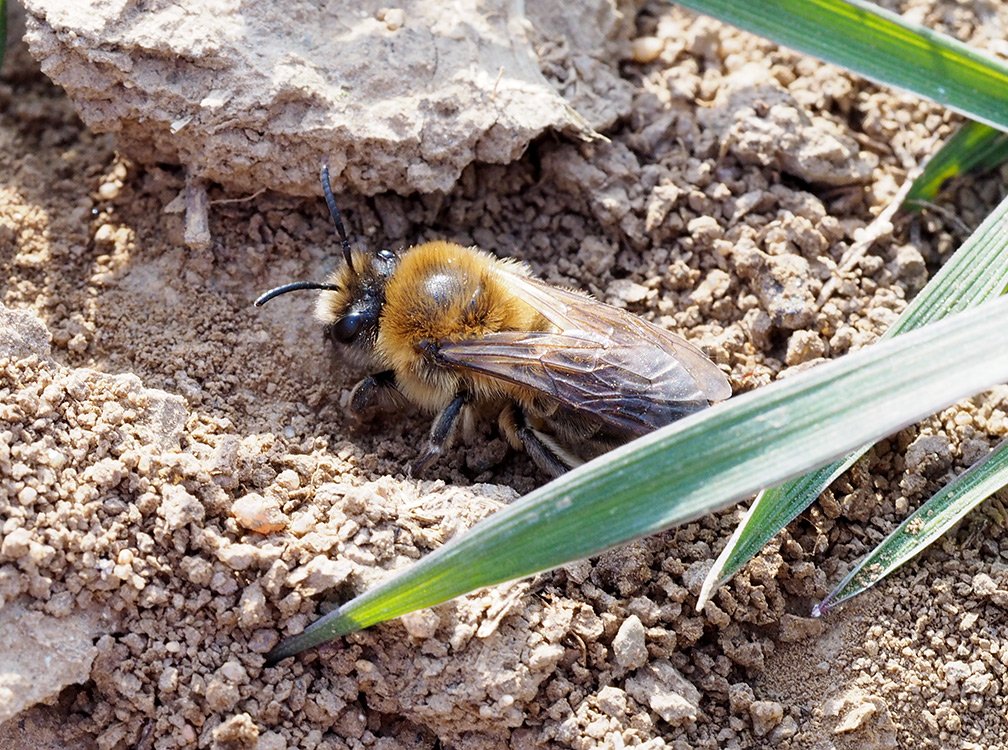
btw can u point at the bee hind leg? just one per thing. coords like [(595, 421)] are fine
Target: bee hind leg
[(549, 458), (441, 434)]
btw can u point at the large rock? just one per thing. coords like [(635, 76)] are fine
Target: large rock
[(256, 95), (40, 655)]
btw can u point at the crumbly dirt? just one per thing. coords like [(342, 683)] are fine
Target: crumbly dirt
[(252, 97), (181, 486)]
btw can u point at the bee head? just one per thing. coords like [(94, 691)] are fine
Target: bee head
[(352, 297), (351, 307)]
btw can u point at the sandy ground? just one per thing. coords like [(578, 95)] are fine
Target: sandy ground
[(181, 486)]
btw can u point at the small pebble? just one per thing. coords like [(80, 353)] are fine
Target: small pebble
[(421, 624), (104, 234), (628, 645), (16, 544), (646, 49), (288, 479), (612, 700), (237, 556), (627, 290), (394, 18), (259, 514), (765, 716), (108, 191), (804, 346)]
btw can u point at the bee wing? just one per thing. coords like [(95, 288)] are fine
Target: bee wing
[(634, 389), (576, 313), (602, 360)]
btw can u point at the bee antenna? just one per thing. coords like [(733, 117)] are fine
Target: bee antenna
[(335, 214), (293, 287)]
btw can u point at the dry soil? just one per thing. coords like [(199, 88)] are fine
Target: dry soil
[(181, 485)]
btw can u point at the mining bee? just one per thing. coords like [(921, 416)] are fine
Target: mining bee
[(461, 333)]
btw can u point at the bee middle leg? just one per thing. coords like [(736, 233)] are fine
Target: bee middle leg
[(441, 434), (512, 423)]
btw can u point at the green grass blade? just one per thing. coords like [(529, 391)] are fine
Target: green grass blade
[(927, 524), (973, 146), (976, 272), (879, 45), (699, 464)]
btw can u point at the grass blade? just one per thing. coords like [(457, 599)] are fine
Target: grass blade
[(972, 146), (699, 464), (924, 526), (976, 272), (879, 45)]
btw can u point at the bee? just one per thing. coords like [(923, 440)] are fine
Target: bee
[(463, 334)]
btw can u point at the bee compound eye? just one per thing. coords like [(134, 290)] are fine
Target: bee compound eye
[(347, 328)]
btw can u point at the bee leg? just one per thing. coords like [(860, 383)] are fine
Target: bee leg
[(369, 393), (521, 436), (441, 434), (469, 427)]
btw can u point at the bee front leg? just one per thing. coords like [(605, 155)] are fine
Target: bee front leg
[(441, 434), (373, 392), (547, 457)]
